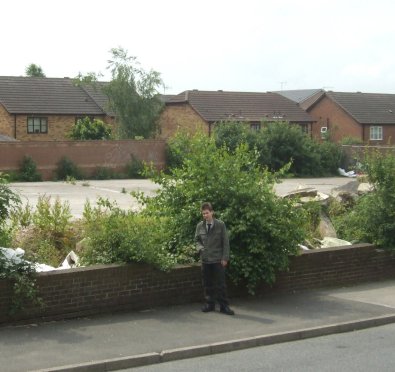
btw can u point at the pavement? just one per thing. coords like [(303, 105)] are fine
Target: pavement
[(78, 192), (130, 339)]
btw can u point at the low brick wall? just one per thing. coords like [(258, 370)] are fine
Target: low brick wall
[(87, 155), (107, 288)]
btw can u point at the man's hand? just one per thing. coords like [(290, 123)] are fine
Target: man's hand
[(224, 263)]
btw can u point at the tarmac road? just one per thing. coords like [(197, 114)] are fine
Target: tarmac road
[(119, 190)]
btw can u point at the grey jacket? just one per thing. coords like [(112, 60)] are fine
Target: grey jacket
[(214, 246)]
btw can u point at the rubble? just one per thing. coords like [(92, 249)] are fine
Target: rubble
[(15, 256)]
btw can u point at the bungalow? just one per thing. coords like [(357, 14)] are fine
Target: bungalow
[(194, 110), (367, 117), (45, 109)]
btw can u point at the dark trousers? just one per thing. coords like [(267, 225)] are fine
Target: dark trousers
[(214, 283)]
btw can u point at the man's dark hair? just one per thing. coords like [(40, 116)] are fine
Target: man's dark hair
[(206, 205)]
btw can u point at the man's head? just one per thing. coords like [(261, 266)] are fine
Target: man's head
[(207, 211)]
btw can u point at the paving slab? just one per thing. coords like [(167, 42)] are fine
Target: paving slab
[(105, 342)]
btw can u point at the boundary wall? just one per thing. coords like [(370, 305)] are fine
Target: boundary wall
[(87, 155), (107, 288)]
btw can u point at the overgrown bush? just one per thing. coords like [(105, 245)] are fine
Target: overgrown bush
[(372, 219), (22, 276), (88, 129), (20, 273), (51, 233), (263, 228), (66, 168), (177, 149), (9, 202), (117, 236), (28, 170), (279, 143)]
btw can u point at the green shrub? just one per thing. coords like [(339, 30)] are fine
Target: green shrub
[(263, 228), (88, 129), (177, 148), (372, 219), (103, 173), (9, 202), (23, 281), (280, 143), (135, 167), (28, 170), (66, 168), (116, 236), (231, 134), (51, 234)]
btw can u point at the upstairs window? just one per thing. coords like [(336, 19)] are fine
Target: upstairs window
[(376, 133), (37, 125)]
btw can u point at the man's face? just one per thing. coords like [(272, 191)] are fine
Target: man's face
[(207, 214)]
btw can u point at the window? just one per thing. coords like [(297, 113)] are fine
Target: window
[(255, 126), (376, 133), (37, 125)]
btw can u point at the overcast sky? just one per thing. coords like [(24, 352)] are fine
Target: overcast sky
[(235, 45)]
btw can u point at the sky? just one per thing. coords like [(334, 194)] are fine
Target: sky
[(232, 45)]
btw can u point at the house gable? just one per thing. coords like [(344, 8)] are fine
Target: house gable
[(180, 117), (338, 122), (354, 115)]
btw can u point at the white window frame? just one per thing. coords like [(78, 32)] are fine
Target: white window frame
[(37, 125), (376, 133)]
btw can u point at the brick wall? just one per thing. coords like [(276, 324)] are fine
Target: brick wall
[(182, 117), (6, 122), (58, 126), (97, 289), (328, 114), (87, 155)]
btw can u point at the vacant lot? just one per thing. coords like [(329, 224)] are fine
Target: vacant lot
[(119, 190)]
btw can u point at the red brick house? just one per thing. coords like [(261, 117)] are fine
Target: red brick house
[(45, 109), (194, 110), (368, 117)]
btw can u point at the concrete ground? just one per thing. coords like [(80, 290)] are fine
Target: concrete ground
[(130, 339), (119, 190)]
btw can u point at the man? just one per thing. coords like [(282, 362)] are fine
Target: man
[(213, 244)]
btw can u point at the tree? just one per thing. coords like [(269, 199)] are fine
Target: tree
[(87, 129), (90, 78), (133, 95), (34, 70)]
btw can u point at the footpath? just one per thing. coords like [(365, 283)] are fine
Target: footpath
[(130, 339)]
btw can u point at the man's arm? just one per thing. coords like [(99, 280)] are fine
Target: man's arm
[(198, 243)]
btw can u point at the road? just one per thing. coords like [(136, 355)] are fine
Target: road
[(367, 350), (76, 194)]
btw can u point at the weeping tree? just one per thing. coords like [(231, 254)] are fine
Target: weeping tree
[(133, 95)]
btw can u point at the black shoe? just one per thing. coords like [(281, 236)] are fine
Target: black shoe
[(208, 307), (227, 310)]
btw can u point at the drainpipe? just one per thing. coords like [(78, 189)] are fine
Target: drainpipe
[(15, 126), (209, 129)]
